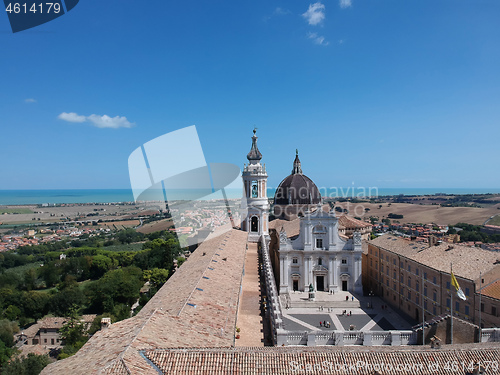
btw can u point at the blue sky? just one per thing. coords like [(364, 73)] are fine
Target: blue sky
[(385, 93)]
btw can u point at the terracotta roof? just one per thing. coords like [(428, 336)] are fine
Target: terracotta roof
[(285, 360), (350, 222), (292, 228), (468, 262), (492, 290), (196, 306)]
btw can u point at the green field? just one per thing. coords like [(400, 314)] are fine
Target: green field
[(494, 221), (15, 211), (124, 247), (21, 270)]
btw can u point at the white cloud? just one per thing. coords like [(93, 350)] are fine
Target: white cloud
[(30, 100), (345, 3), (71, 117), (317, 39), (110, 122), (98, 121), (281, 12), (315, 14)]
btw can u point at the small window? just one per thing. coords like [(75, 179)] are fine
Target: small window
[(416, 271), (394, 275), (45, 340), (417, 287), (493, 310), (434, 280), (394, 261), (425, 275), (409, 282), (467, 292), (255, 189), (416, 300), (434, 310), (425, 291), (409, 268), (457, 306), (295, 261), (344, 261), (482, 307), (448, 302), (425, 305), (448, 285), (466, 310), (434, 297), (320, 261), (319, 243), (409, 295)]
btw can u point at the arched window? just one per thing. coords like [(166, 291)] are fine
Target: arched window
[(254, 227)]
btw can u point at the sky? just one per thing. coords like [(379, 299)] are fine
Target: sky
[(385, 93)]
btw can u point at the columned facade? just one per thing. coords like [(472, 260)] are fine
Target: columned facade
[(318, 256)]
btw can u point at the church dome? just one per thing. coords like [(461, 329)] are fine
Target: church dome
[(297, 188)]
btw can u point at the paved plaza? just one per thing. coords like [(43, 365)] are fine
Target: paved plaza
[(341, 311)]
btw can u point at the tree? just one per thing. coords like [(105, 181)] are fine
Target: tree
[(50, 274), (73, 334), (7, 330), (5, 353), (116, 287), (100, 265), (156, 276), (31, 365), (35, 304)]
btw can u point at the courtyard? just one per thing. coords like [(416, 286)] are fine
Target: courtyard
[(341, 311)]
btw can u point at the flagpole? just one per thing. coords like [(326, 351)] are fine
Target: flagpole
[(423, 310), (451, 304), (480, 286)]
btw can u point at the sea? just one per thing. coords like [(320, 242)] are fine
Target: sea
[(68, 196)]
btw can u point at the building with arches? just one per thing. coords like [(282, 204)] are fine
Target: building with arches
[(255, 208), (319, 256)]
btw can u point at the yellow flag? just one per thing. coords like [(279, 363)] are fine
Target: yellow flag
[(454, 282)]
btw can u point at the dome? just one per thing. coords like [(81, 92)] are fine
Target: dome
[(297, 188)]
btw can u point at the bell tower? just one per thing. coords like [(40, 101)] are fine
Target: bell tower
[(255, 206)]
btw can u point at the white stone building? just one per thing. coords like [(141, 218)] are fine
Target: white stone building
[(255, 205), (319, 256)]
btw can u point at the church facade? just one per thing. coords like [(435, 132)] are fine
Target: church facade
[(319, 256)]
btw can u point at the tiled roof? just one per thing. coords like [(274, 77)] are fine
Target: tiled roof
[(350, 222), (468, 262), (492, 290), (196, 306), (292, 228), (285, 360)]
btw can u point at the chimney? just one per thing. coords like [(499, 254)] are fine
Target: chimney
[(105, 323)]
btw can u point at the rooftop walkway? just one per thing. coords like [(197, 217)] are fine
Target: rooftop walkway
[(249, 318)]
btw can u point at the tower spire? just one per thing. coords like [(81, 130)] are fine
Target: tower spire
[(254, 153), (297, 168)]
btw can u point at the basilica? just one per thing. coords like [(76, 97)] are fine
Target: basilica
[(307, 243)]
